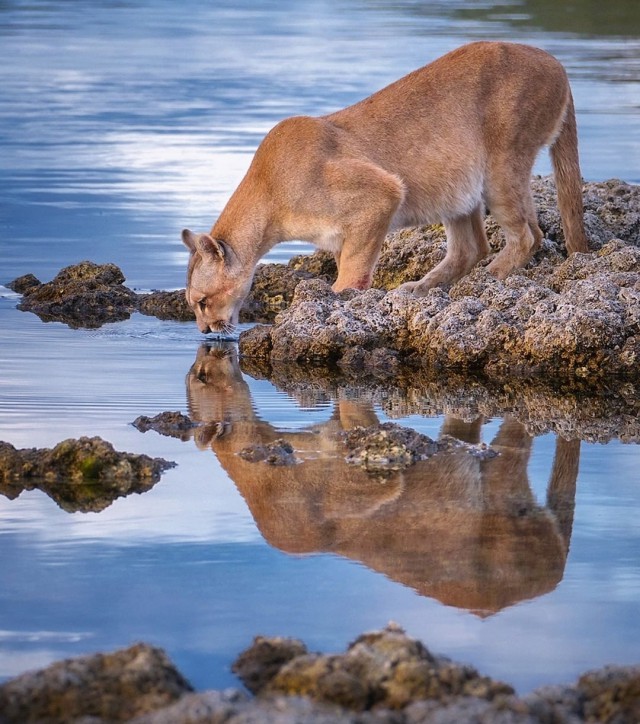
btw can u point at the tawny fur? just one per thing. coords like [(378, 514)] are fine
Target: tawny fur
[(465, 531), (442, 144)]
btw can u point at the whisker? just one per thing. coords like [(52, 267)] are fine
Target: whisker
[(226, 329)]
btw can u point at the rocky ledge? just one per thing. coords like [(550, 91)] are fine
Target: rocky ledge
[(579, 317), (383, 677), (80, 475), (582, 310)]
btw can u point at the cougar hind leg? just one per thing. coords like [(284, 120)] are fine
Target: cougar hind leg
[(511, 205), (466, 246)]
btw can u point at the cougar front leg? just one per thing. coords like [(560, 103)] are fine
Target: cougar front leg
[(364, 198), (358, 259)]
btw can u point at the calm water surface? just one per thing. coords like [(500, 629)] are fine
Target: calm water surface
[(121, 123)]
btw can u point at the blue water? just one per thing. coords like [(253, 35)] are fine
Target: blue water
[(121, 123)]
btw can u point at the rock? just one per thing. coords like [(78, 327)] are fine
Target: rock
[(279, 452), (24, 284), (166, 305), (214, 707), (258, 664), (611, 694), (85, 474), (111, 687), (577, 318), (89, 294), (381, 669), (82, 295), (387, 447), (384, 677), (271, 292), (170, 424)]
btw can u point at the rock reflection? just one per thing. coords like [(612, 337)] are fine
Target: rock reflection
[(463, 529)]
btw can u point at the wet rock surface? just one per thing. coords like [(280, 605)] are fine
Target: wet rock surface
[(86, 474), (557, 301), (383, 677)]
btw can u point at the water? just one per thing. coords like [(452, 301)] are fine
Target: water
[(121, 123)]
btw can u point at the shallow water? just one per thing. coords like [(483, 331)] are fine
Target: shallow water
[(120, 123)]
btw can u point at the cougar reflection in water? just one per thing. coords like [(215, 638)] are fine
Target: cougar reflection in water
[(460, 529)]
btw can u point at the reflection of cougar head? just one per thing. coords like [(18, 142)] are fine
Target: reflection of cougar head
[(213, 385), (463, 530)]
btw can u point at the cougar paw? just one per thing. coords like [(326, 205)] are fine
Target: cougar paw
[(407, 287), (418, 289)]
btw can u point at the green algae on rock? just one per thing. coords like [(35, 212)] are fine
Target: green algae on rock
[(86, 474)]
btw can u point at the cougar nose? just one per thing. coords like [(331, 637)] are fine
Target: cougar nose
[(205, 329)]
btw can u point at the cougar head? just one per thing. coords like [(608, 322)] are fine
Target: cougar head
[(217, 283)]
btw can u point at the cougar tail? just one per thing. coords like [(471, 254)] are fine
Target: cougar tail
[(566, 168)]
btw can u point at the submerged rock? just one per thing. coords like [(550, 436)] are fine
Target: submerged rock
[(388, 447), (170, 424), (278, 452), (85, 474), (384, 677)]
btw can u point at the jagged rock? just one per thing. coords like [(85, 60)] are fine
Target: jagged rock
[(85, 474), (85, 296), (578, 318), (258, 664), (170, 424), (81, 295), (24, 284), (279, 452), (381, 669), (110, 687), (166, 305), (384, 677)]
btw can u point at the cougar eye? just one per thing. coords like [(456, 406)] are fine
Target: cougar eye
[(202, 304)]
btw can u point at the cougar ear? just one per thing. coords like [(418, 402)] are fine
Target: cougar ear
[(208, 246), (189, 239)]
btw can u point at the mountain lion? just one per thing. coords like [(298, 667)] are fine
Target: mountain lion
[(441, 144)]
